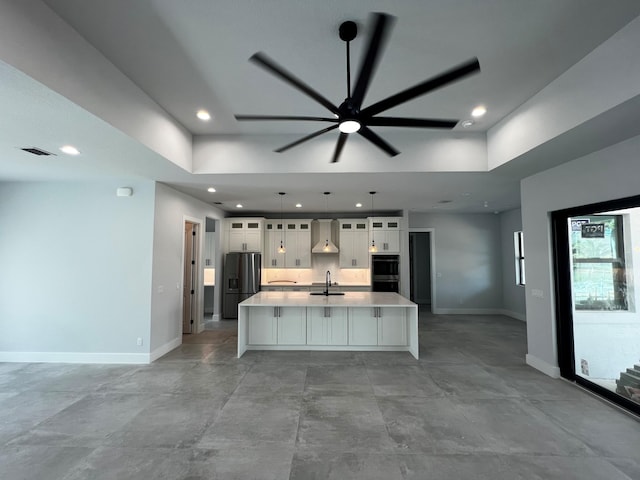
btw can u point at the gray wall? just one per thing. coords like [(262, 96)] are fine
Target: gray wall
[(513, 295), (605, 175), (171, 208), (75, 270), (467, 261)]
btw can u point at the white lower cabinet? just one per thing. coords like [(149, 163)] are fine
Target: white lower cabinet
[(392, 326), (363, 326), (338, 326), (263, 326), (327, 326), (292, 325), (277, 326)]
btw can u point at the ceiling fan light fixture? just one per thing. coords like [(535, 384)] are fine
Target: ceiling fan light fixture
[(349, 126)]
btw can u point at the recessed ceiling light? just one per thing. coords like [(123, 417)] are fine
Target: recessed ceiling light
[(70, 150), (203, 115), (467, 123), (298, 205), (479, 111), (358, 205), (239, 205), (211, 190)]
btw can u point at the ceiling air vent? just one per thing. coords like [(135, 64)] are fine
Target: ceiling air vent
[(36, 151)]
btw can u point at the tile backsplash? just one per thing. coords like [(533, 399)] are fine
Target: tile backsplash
[(320, 263)]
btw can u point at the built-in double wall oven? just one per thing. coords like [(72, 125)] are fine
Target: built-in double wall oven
[(385, 273)]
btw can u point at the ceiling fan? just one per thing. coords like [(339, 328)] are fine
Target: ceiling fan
[(350, 117)]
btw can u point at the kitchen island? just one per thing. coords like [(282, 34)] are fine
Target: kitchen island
[(353, 321)]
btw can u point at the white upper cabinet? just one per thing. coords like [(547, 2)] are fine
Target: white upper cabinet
[(273, 234), (385, 233), (297, 237), (243, 234), (354, 248)]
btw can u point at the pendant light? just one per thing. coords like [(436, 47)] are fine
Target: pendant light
[(372, 247), (281, 249), (326, 247)]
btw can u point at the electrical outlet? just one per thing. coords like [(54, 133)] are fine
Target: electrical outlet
[(139, 342)]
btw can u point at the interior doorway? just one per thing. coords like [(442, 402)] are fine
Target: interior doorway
[(190, 276), (421, 267)]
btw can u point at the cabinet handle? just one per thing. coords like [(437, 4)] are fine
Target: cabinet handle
[(276, 311), (327, 312), (354, 262)]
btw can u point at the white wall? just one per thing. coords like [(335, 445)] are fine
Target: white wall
[(37, 42), (467, 260), (512, 295), (75, 271), (605, 175), (171, 209)]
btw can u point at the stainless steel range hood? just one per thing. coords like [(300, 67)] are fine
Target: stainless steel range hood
[(325, 244)]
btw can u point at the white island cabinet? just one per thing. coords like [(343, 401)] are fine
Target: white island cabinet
[(358, 321)]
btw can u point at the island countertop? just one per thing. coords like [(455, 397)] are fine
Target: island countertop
[(349, 299)]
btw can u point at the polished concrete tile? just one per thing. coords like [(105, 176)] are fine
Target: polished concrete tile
[(246, 419), (87, 422), (342, 466), (343, 423), (273, 379), (266, 461), (402, 380), (468, 408), (108, 463), (35, 462), (171, 421), (338, 379), (470, 381), (430, 425)]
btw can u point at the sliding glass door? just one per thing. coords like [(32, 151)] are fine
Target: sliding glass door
[(598, 294)]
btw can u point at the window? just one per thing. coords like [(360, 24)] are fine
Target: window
[(518, 245), (598, 262)]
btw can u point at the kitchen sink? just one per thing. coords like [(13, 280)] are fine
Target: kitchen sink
[(326, 294)]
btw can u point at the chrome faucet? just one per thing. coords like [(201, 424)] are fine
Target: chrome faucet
[(327, 282)]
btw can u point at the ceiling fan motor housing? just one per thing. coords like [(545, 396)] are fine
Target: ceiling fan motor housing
[(348, 31)]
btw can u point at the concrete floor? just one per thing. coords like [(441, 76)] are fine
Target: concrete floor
[(468, 409)]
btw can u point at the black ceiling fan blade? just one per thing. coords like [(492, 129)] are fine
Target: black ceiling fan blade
[(382, 24), (379, 142), (244, 118), (457, 73), (304, 139), (411, 122), (342, 139), (268, 64)]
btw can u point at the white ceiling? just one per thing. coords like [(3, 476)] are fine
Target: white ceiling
[(193, 54)]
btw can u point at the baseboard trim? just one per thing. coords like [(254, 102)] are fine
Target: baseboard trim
[(74, 357), (479, 311), (164, 349), (544, 367), (516, 315)]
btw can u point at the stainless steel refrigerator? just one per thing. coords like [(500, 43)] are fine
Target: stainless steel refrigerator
[(241, 280)]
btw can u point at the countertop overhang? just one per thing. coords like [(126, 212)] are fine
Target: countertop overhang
[(349, 299)]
